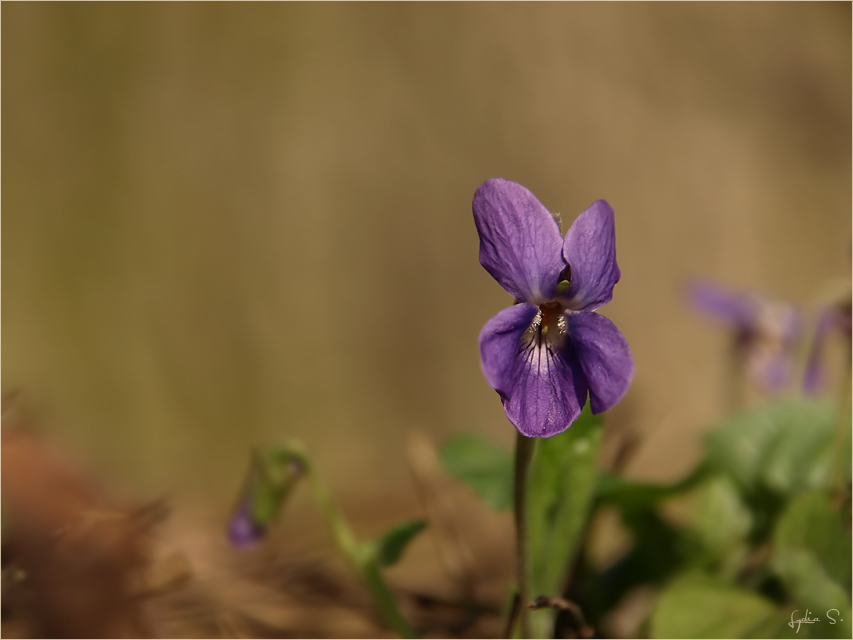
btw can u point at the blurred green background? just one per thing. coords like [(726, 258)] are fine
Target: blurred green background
[(224, 224)]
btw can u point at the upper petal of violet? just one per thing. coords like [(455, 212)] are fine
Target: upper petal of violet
[(734, 308), (605, 357), (590, 250), (520, 242)]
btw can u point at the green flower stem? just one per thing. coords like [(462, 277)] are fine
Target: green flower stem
[(840, 428), (361, 556), (735, 378), (524, 447), (384, 599)]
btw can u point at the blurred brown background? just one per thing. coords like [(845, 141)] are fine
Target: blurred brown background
[(224, 224)]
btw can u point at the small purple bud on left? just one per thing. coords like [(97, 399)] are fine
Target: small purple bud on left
[(272, 475), (243, 533)]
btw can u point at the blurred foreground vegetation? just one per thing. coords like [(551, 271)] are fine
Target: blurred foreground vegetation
[(766, 537)]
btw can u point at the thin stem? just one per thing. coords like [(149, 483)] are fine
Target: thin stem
[(735, 378), (511, 618), (523, 453), (344, 537), (840, 428), (360, 556), (384, 599)]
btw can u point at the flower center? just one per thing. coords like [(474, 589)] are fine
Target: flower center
[(552, 319), (548, 329)]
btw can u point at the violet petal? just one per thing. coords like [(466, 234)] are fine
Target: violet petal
[(731, 307), (499, 345), (550, 389), (605, 357), (520, 241), (590, 251)]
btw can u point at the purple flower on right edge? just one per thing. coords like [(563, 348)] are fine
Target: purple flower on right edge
[(544, 354), (764, 332), (833, 318)]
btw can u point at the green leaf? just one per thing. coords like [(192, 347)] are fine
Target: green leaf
[(781, 447), (483, 466), (812, 589), (659, 548), (560, 490), (391, 545), (809, 522), (659, 551), (629, 494), (266, 502), (721, 523), (272, 476), (699, 607)]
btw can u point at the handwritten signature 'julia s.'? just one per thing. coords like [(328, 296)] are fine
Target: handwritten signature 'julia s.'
[(807, 620)]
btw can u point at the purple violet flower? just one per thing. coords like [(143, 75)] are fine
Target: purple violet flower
[(546, 352), (764, 331)]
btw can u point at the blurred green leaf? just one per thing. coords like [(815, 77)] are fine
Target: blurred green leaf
[(560, 491), (812, 589), (483, 466), (721, 524), (781, 447), (699, 607), (659, 551), (629, 494), (389, 548), (272, 476), (809, 522), (659, 548), (266, 502)]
